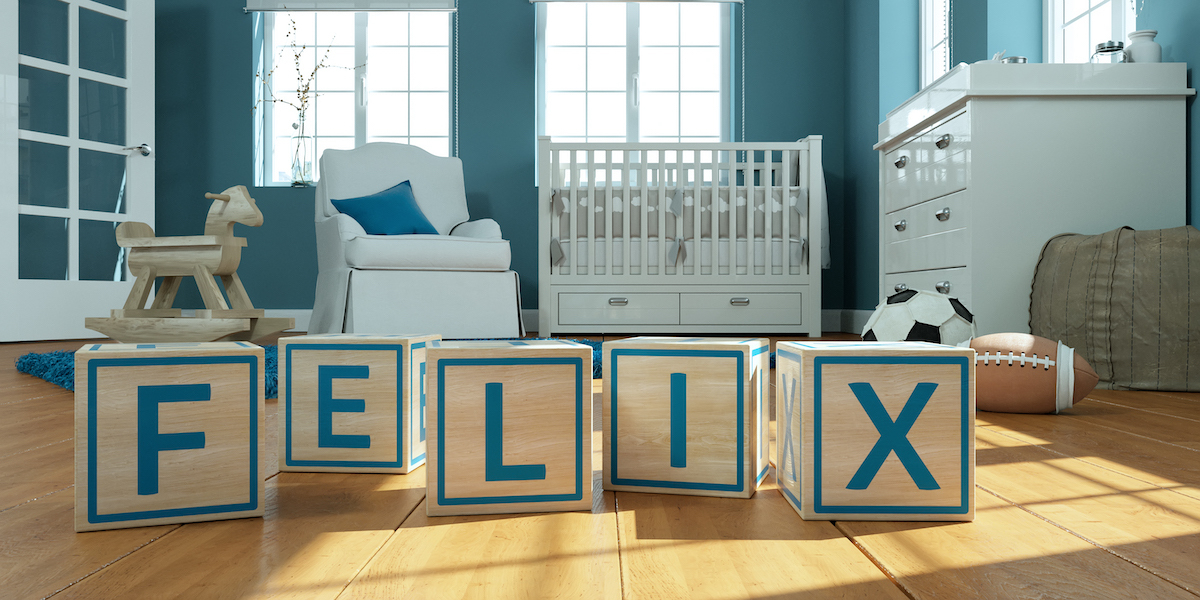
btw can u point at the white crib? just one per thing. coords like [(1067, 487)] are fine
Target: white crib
[(680, 238)]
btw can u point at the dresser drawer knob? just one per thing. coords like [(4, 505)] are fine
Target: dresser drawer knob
[(944, 141), (739, 301), (942, 287), (618, 301), (901, 162), (943, 215), (901, 225), (900, 287)]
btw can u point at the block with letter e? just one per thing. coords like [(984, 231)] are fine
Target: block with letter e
[(167, 433), (510, 427), (686, 415), (876, 431), (352, 403)]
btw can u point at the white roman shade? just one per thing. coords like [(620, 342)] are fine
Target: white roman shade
[(348, 5)]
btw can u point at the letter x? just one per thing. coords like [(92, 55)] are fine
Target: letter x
[(893, 436), (789, 402)]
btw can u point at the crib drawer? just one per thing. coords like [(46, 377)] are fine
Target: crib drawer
[(618, 308), (739, 309)]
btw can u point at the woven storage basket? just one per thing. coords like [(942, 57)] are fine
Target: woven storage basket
[(1128, 301)]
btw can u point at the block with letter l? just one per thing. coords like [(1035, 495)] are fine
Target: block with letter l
[(876, 431), (510, 427), (686, 415), (167, 433), (352, 403)]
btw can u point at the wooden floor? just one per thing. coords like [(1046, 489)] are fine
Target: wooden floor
[(1100, 502)]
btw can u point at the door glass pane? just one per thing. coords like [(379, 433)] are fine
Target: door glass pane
[(101, 112), (100, 258), (42, 29), (101, 43), (113, 3), (42, 100), (41, 247), (101, 181), (42, 174)]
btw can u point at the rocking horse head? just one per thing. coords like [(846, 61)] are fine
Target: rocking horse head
[(234, 205)]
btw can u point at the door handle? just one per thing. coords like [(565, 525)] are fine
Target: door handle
[(143, 148)]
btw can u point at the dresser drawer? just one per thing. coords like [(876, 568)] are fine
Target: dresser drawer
[(936, 251), (956, 282), (628, 309), (934, 180), (934, 145), (739, 309), (928, 218)]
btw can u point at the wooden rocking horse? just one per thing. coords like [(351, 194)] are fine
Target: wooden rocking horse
[(216, 253)]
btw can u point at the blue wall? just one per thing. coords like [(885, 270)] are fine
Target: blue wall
[(1178, 23)]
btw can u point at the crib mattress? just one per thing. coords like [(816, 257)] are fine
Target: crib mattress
[(750, 257)]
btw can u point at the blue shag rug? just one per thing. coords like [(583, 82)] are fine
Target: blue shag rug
[(59, 367)]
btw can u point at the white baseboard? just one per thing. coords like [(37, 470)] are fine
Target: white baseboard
[(301, 315)]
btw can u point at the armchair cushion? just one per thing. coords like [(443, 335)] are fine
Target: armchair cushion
[(427, 253), (393, 211)]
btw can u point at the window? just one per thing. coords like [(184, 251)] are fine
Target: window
[(654, 71), (935, 40), (383, 76), (1074, 27)]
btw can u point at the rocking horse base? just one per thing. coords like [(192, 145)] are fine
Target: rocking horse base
[(187, 329)]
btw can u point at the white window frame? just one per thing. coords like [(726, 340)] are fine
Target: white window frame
[(930, 40), (1124, 21), (632, 51), (264, 136)]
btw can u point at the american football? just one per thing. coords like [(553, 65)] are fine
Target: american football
[(920, 316), (1022, 373)]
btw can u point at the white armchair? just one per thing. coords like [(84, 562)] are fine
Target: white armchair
[(457, 283)]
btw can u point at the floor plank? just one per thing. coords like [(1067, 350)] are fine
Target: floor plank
[(36, 472), (36, 422), (698, 547), (1138, 521), (545, 555), (319, 530), (1006, 554), (1150, 424), (1183, 406)]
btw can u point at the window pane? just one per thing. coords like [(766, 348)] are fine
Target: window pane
[(1102, 29), (284, 120), (387, 114), (101, 112), (566, 69), (566, 23), (939, 8), (429, 69), (338, 72), (1075, 42), (101, 43), (334, 143), (41, 247), (700, 24), (606, 24), (387, 28), (659, 114), (659, 24), (387, 69), (430, 114), (283, 79), (606, 69), (42, 29), (334, 114), (335, 29), (298, 28), (700, 114), (429, 28), (113, 3), (606, 114), (1073, 8), (41, 100), (100, 259), (42, 174), (438, 146), (566, 114), (280, 169), (102, 181), (700, 69), (659, 69)]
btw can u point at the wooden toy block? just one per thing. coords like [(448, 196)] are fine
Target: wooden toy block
[(352, 403), (686, 415), (167, 433), (510, 427), (876, 431)]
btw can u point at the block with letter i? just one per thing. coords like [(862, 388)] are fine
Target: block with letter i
[(352, 403), (167, 433), (510, 427), (876, 431), (686, 415)]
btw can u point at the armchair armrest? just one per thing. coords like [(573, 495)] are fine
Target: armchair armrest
[(486, 229), (347, 227)]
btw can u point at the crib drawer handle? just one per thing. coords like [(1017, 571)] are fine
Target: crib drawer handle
[(739, 301), (618, 301), (901, 162), (901, 287), (944, 141), (943, 215), (942, 287), (901, 225)]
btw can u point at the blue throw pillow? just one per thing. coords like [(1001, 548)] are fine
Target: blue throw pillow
[(393, 211)]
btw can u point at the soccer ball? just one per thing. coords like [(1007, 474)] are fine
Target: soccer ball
[(920, 316)]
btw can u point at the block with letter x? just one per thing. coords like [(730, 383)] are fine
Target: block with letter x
[(876, 431), (510, 427), (352, 403), (685, 415), (167, 433)]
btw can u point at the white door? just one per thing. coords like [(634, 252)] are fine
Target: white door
[(76, 103)]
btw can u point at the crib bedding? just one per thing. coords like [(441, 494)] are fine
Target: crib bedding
[(679, 256)]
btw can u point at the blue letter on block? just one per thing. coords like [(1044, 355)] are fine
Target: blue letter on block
[(893, 436), (327, 405), (679, 420), (150, 442), (493, 434)]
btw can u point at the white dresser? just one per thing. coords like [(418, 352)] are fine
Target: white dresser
[(982, 167)]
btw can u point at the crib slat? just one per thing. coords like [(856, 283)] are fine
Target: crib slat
[(715, 194), (591, 212), (697, 226), (626, 208), (786, 194), (662, 213), (607, 233), (768, 214), (731, 175), (573, 222), (642, 170)]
